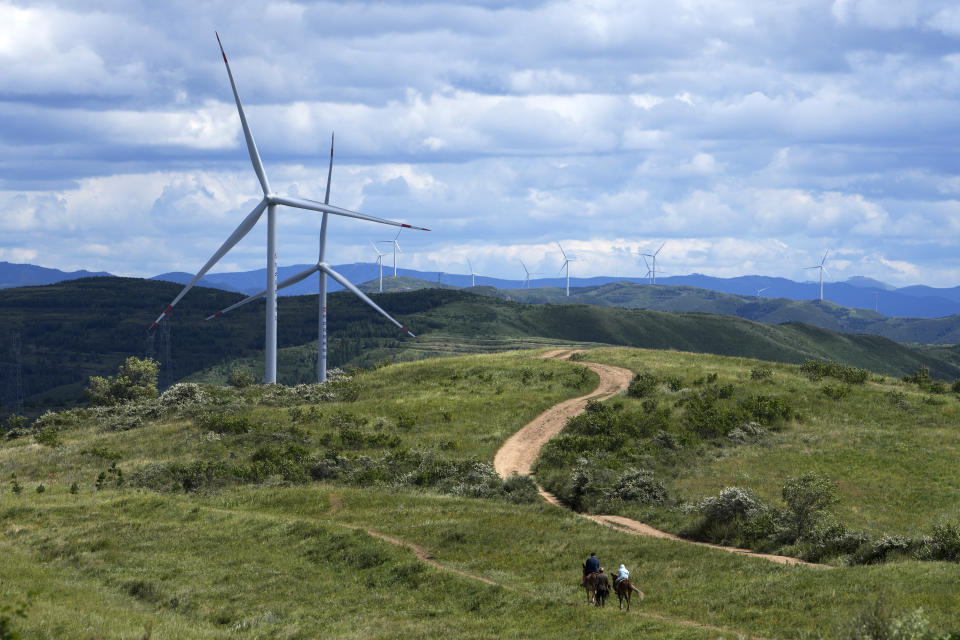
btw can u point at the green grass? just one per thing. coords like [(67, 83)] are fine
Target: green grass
[(288, 559)]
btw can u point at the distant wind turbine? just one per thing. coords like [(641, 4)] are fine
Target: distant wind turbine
[(473, 275), (653, 258), (759, 291), (566, 266), (526, 279), (379, 263), (822, 269), (649, 271), (324, 270), (396, 249), (268, 203)]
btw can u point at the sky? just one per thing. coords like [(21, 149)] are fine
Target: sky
[(745, 137)]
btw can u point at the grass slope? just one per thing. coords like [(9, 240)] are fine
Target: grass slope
[(285, 558)]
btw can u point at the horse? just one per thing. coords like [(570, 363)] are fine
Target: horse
[(625, 589), (601, 589), (590, 584)]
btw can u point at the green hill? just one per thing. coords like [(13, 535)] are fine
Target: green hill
[(824, 314), (72, 330), (367, 508)]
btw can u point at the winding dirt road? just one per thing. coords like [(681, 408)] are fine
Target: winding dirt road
[(521, 450)]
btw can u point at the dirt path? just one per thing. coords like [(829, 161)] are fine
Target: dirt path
[(520, 451)]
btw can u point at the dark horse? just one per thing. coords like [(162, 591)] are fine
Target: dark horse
[(625, 589)]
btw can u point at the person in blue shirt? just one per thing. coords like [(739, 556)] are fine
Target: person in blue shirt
[(592, 565)]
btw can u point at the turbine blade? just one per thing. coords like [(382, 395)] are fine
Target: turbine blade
[(398, 246), (235, 305), (660, 249), (280, 285), (303, 275), (251, 145), (326, 198), (360, 294), (825, 256), (234, 238), (561, 251), (313, 205)]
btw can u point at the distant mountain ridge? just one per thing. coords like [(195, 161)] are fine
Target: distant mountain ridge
[(917, 301)]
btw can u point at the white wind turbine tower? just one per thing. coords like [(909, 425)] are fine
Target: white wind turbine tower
[(473, 274), (653, 258), (566, 266), (822, 269), (324, 270), (759, 291), (396, 249), (379, 264), (269, 203)]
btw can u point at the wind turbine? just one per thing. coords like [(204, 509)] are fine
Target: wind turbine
[(566, 266), (396, 248), (473, 275), (647, 276), (822, 269), (653, 257), (379, 264), (324, 270), (269, 203), (759, 291), (526, 279)]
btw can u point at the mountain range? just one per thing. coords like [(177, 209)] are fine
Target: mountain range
[(917, 301)]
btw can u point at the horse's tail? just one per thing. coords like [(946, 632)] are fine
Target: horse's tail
[(640, 593)]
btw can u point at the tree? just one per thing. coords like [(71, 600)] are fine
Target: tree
[(136, 379), (807, 497)]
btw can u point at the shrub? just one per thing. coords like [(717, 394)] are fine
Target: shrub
[(955, 387), (183, 396), (225, 422), (768, 409), (47, 436), (878, 622), (731, 504), (639, 486), (899, 400), (818, 369), (642, 385), (877, 551), (944, 543), (807, 497), (41, 488), (74, 488), (136, 379), (587, 485), (761, 373), (707, 417), (240, 378), (521, 490), (673, 383), (15, 485), (836, 392)]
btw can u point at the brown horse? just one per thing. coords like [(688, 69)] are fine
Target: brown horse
[(589, 583), (625, 589)]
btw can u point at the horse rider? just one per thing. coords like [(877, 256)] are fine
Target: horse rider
[(622, 574), (592, 565)]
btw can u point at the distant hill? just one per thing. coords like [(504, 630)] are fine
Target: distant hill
[(825, 314), (75, 329), (26, 275)]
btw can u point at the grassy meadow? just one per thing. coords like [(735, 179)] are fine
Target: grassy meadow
[(255, 512)]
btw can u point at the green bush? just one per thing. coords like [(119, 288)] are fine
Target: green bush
[(807, 497), (136, 379), (240, 378), (640, 487), (761, 373), (731, 504), (225, 423), (642, 385), (944, 543), (836, 391)]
